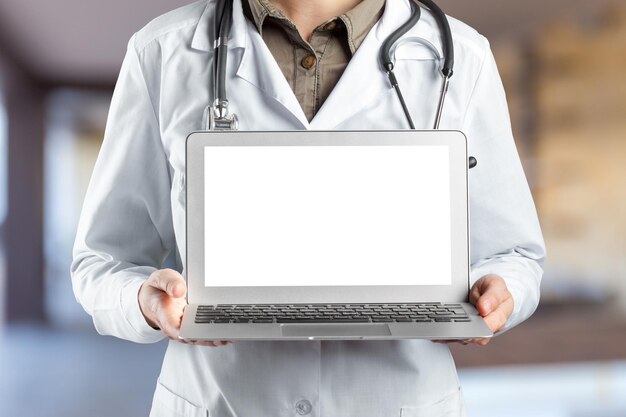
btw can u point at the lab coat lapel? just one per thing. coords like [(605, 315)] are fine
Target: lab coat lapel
[(259, 68), (203, 35), (256, 66), (362, 80)]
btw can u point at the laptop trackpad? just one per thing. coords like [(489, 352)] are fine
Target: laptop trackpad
[(335, 330)]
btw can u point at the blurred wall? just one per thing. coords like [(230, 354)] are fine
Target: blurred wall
[(22, 232), (75, 121), (580, 97)]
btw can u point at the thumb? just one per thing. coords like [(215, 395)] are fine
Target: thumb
[(170, 282), (488, 293)]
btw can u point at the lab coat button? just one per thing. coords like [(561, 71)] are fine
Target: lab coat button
[(303, 407), (308, 61)]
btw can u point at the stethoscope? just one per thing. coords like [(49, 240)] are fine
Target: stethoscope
[(219, 118)]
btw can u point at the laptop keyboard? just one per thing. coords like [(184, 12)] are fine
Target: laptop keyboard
[(331, 313)]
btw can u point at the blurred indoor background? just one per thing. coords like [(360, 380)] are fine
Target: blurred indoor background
[(563, 64)]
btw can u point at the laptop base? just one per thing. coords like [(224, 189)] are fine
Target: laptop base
[(475, 328)]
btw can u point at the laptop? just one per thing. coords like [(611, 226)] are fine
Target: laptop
[(342, 235)]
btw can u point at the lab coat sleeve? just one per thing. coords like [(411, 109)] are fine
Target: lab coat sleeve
[(506, 238), (125, 230)]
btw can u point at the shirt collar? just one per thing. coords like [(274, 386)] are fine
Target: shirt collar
[(358, 21)]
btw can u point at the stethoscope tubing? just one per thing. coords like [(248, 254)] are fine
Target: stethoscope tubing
[(223, 21)]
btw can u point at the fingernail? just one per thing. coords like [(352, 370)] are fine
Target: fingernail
[(487, 306)]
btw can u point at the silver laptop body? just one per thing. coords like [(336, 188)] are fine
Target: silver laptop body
[(302, 235)]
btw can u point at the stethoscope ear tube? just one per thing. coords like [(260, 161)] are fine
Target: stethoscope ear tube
[(385, 50), (224, 13), (446, 37), (218, 116), (387, 60), (448, 53)]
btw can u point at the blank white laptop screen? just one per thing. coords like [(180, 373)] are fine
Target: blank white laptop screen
[(327, 215)]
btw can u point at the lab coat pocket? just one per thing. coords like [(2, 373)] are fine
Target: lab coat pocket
[(449, 406), (167, 404)]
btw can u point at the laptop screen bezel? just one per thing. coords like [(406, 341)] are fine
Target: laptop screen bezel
[(194, 268)]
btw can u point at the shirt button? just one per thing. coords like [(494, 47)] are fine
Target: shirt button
[(303, 407), (330, 25), (308, 61)]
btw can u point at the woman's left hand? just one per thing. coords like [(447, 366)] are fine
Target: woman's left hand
[(494, 303)]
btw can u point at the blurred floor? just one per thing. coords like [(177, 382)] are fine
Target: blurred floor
[(55, 373), (594, 389)]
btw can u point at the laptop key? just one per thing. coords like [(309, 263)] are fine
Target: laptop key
[(293, 320), (200, 320), (343, 320), (440, 312), (403, 319), (351, 320)]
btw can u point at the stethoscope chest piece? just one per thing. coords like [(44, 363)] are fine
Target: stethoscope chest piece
[(217, 117)]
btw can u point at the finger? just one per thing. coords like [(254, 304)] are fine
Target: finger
[(169, 314), (496, 320), (170, 282), (207, 343), (486, 304), (480, 342), (481, 286), (493, 296), (201, 343), (451, 341), (476, 292)]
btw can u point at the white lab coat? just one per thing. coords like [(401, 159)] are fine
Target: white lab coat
[(134, 213)]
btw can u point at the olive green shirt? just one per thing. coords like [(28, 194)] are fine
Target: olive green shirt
[(313, 68)]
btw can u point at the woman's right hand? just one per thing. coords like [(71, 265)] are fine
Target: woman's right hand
[(162, 302)]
